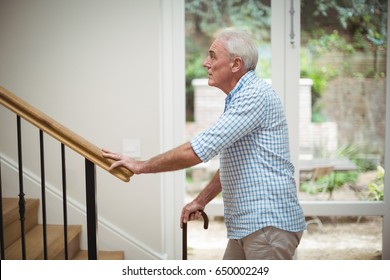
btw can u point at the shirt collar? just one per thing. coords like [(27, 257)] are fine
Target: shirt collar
[(250, 75)]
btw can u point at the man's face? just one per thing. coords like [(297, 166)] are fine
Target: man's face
[(218, 64)]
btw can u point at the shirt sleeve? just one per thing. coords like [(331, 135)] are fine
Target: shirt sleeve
[(244, 113)]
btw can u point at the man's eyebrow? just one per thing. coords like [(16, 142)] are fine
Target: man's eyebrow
[(211, 52)]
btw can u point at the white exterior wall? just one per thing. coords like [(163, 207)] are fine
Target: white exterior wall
[(98, 68)]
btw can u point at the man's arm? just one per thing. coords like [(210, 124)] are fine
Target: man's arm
[(178, 158)]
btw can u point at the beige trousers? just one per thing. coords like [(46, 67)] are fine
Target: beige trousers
[(268, 243)]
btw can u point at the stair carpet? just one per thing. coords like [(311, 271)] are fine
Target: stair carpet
[(34, 236)]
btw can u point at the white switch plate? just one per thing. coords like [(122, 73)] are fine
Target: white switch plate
[(132, 148)]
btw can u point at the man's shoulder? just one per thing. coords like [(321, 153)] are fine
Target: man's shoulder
[(256, 85)]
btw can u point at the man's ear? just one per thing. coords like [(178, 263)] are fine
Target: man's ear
[(237, 64)]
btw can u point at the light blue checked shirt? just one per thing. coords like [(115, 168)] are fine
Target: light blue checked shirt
[(256, 173)]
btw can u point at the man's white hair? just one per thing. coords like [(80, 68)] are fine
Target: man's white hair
[(240, 43)]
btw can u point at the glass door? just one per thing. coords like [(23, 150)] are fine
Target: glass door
[(342, 121), (327, 61)]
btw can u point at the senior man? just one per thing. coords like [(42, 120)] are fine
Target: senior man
[(262, 213)]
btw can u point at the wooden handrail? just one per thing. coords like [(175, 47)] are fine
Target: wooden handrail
[(61, 133)]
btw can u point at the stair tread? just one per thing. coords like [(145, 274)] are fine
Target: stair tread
[(102, 255), (34, 242), (11, 208), (34, 235)]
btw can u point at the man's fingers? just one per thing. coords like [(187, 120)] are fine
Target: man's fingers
[(107, 152), (110, 154), (185, 217), (190, 217), (116, 164), (119, 160), (195, 215)]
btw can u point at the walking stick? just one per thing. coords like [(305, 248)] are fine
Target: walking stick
[(205, 226)]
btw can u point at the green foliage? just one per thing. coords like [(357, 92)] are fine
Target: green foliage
[(205, 17), (347, 27), (330, 183), (311, 188), (195, 68), (365, 164), (318, 117), (360, 156), (208, 16), (375, 187), (339, 179), (320, 78), (323, 42), (350, 152), (365, 19)]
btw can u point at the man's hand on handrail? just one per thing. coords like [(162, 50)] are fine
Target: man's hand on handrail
[(120, 160)]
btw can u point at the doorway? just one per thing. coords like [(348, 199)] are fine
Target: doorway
[(292, 78)]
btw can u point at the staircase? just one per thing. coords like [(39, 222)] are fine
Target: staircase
[(34, 236), (33, 232)]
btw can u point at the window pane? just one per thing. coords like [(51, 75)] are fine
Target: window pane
[(342, 100)]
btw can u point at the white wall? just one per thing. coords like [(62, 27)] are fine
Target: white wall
[(96, 67)]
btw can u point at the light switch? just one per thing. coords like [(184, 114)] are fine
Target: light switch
[(132, 148)]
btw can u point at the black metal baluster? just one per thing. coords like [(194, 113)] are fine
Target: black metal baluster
[(64, 201), (43, 194), (90, 187), (22, 202), (1, 219)]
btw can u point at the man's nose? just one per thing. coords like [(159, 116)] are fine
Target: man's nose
[(206, 63)]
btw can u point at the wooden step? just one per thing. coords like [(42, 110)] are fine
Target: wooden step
[(34, 236), (102, 255), (55, 243), (11, 218)]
